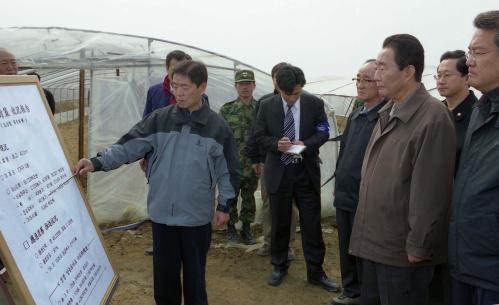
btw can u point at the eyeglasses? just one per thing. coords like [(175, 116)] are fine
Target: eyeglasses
[(444, 76), (358, 80), (476, 54)]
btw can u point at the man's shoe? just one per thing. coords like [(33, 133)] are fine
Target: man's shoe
[(264, 250), (325, 283), (276, 277), (246, 236), (343, 299), (291, 254), (232, 234)]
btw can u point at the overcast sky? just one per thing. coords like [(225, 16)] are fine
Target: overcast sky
[(323, 37)]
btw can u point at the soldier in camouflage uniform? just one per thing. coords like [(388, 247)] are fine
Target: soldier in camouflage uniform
[(239, 114)]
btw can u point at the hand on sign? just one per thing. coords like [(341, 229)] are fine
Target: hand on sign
[(220, 218), (83, 166)]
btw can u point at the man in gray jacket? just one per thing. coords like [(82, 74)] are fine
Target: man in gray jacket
[(191, 151)]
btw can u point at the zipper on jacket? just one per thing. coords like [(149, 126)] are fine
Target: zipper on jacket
[(150, 168), (172, 209)]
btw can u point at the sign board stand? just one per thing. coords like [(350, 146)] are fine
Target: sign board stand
[(49, 239), (7, 297)]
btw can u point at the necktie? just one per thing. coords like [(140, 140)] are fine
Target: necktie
[(289, 131)]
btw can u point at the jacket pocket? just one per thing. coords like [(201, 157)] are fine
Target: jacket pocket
[(213, 178)]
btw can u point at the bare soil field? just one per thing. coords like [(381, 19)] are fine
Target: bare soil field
[(235, 275)]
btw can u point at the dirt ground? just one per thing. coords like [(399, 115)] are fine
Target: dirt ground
[(234, 275)]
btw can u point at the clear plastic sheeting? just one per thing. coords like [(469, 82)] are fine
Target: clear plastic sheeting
[(117, 104), (118, 72)]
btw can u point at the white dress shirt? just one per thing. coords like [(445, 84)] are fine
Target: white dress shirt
[(295, 110)]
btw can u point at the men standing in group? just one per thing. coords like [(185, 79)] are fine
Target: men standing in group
[(474, 226), (400, 228), (257, 157), (161, 95), (294, 118), (194, 153), (239, 114), (358, 130)]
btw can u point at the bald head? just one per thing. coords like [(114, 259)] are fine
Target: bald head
[(8, 63)]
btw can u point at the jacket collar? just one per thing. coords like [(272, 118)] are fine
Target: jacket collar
[(464, 108), (200, 116), (411, 105), (493, 97), (372, 114), (239, 101)]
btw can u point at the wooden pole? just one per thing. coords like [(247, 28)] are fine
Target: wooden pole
[(5, 290), (81, 126)]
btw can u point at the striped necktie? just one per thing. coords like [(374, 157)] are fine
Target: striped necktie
[(289, 132)]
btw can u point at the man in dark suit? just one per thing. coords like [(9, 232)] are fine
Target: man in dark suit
[(294, 118)]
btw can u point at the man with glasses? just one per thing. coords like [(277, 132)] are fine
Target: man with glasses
[(358, 130), (452, 83), (474, 226), (400, 227)]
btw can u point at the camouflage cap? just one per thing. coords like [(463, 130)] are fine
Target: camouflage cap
[(245, 76)]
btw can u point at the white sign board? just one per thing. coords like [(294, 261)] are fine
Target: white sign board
[(48, 234)]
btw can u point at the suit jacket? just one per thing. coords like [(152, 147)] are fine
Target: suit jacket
[(314, 131)]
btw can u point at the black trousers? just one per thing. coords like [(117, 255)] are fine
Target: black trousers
[(440, 286), (465, 294), (350, 266), (296, 184), (388, 285), (177, 248)]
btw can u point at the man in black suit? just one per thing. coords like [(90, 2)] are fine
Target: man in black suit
[(294, 118)]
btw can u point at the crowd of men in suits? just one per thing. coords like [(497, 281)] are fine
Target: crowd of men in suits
[(416, 182)]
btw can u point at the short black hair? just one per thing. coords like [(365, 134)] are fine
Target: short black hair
[(177, 55), (277, 68), (288, 77), (408, 52), (488, 21), (460, 55), (195, 70)]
